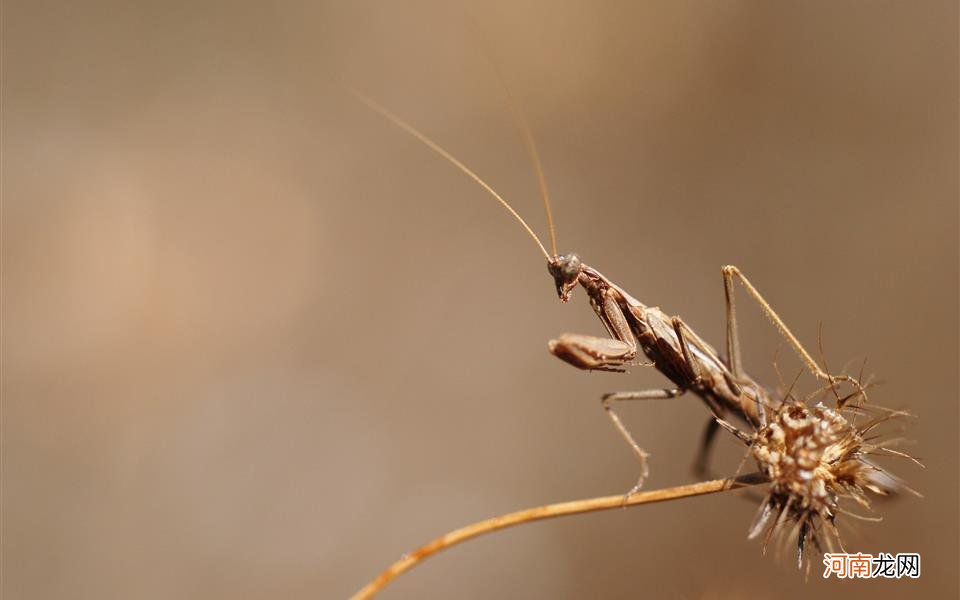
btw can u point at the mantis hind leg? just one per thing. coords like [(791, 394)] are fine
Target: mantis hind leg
[(733, 342), (701, 466)]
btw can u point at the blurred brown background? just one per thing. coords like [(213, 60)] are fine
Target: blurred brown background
[(258, 342)]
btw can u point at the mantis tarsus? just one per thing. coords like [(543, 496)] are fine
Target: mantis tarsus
[(672, 347)]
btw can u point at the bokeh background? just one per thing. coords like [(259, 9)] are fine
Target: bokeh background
[(258, 343)]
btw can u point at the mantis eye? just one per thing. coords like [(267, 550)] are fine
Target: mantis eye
[(565, 270), (570, 265)]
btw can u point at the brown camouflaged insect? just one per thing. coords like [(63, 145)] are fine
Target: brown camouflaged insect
[(671, 345)]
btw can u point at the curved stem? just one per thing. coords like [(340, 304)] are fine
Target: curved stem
[(549, 511)]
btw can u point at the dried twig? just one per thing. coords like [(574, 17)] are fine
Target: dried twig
[(549, 511)]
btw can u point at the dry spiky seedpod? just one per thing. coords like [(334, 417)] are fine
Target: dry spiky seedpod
[(811, 459), (817, 458)]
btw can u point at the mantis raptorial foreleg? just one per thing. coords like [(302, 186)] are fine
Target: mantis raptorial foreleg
[(597, 353), (593, 353)]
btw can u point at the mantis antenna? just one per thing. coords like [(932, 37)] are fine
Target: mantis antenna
[(524, 126), (452, 159)]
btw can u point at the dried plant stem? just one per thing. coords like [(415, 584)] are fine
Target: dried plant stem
[(549, 511)]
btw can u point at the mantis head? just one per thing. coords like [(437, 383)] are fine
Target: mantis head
[(565, 270)]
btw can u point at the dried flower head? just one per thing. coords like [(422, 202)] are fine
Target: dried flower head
[(816, 459)]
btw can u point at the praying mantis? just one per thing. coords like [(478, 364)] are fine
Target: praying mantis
[(671, 346)]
